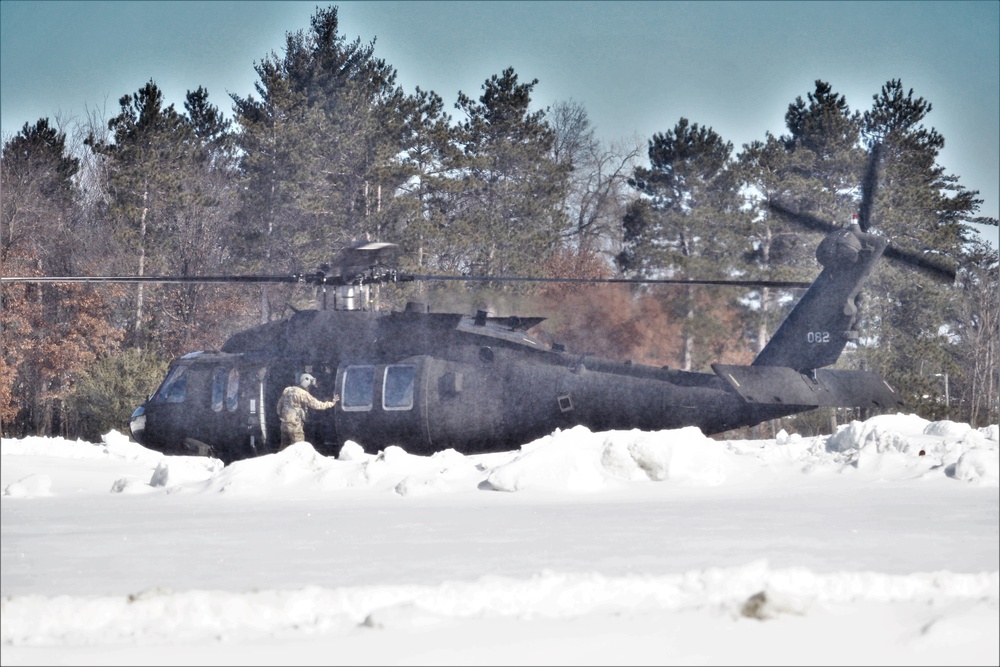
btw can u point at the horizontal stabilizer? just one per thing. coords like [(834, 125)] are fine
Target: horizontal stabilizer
[(779, 385)]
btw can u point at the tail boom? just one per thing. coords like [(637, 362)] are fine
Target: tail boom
[(822, 323)]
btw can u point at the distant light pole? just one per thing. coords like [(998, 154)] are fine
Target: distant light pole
[(947, 396)]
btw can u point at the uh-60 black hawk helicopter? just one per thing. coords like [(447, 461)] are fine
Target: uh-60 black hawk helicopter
[(430, 381)]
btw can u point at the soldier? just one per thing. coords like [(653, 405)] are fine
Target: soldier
[(292, 409)]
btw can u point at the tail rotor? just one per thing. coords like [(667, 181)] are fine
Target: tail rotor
[(869, 187)]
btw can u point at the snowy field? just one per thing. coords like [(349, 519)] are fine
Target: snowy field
[(877, 545)]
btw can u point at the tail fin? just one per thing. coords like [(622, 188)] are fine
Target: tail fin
[(822, 322)]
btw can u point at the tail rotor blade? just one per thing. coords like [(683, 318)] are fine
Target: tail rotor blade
[(919, 262), (804, 219)]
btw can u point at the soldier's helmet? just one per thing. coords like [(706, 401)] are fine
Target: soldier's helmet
[(306, 381)]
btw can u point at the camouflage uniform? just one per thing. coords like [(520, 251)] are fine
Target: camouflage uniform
[(292, 411)]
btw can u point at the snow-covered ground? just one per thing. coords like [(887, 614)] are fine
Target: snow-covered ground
[(877, 545)]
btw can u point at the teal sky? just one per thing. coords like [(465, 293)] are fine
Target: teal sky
[(637, 67)]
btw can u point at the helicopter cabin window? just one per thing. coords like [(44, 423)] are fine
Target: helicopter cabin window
[(174, 388), (359, 384), (397, 389)]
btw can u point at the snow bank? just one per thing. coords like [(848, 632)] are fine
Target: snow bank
[(575, 460)]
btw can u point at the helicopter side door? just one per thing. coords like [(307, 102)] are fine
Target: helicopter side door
[(383, 404), (207, 406), (424, 404), (240, 423)]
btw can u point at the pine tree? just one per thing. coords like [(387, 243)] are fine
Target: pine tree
[(320, 150), (923, 211), (815, 168), (197, 316), (686, 226), (431, 193), (150, 144), (510, 203)]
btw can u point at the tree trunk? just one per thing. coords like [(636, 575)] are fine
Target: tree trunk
[(142, 269), (688, 352)]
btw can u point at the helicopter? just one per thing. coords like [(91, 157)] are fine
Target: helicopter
[(475, 383)]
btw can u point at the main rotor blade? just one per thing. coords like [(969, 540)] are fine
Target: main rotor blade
[(868, 186), (151, 279), (783, 284), (312, 278)]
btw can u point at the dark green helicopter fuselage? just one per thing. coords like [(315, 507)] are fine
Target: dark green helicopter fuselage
[(433, 381), (424, 381)]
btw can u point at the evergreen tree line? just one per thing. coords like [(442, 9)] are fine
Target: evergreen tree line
[(330, 150)]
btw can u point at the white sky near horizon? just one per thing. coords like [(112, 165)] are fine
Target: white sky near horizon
[(637, 67), (877, 545)]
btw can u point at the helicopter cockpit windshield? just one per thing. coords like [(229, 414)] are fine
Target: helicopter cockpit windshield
[(174, 387)]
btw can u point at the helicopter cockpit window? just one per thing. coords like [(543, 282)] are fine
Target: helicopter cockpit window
[(359, 384), (397, 390), (218, 388), (232, 389), (174, 388), (225, 388)]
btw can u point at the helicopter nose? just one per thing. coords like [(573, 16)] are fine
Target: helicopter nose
[(137, 424)]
